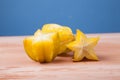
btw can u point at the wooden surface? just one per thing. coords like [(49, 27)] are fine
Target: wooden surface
[(16, 65)]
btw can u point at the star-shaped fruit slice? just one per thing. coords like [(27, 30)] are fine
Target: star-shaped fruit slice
[(83, 47)]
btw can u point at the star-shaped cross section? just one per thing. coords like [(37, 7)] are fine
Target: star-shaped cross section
[(83, 47)]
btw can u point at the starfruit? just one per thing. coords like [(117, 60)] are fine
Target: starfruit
[(83, 47), (42, 47), (64, 32), (55, 39)]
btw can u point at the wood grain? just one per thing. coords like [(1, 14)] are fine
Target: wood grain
[(16, 65)]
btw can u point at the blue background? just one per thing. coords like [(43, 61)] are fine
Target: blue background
[(24, 17)]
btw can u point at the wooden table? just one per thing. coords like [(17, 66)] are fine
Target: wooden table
[(16, 65)]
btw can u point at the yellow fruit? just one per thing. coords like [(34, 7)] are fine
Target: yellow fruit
[(55, 40), (42, 47), (83, 47), (65, 34)]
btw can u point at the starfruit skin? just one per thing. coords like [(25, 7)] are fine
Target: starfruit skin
[(28, 47), (42, 47), (64, 32)]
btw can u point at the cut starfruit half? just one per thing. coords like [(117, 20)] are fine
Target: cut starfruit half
[(42, 47)]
